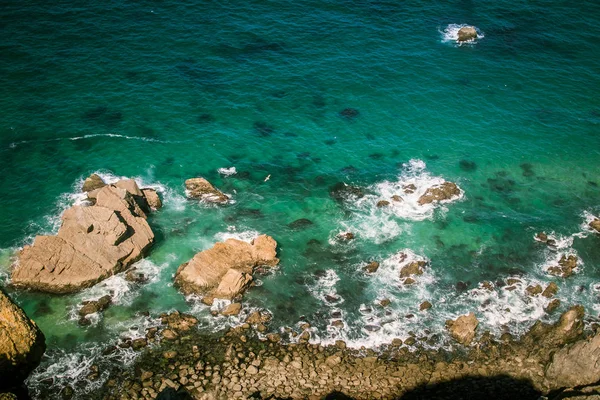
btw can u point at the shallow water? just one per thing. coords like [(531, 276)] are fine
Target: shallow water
[(165, 92)]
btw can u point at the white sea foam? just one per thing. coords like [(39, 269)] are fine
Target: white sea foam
[(380, 224), (450, 34), (324, 288), (232, 233), (91, 136), (227, 171)]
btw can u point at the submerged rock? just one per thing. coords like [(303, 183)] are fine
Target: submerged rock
[(300, 224), (444, 191), (463, 328), (342, 191), (225, 270), (200, 188), (349, 113), (22, 344), (467, 33), (93, 243)]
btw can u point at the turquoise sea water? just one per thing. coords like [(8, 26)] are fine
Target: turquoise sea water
[(165, 92)]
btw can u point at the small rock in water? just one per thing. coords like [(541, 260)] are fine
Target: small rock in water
[(533, 290), (542, 237), (200, 188), (553, 305), (425, 306), (445, 191), (383, 203), (331, 298), (397, 198), (372, 267), (93, 306), (467, 33), (372, 328), (385, 302), (409, 189), (414, 268), (346, 236), (550, 290), (595, 225)]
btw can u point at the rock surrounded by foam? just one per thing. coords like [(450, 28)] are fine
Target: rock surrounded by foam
[(22, 344), (595, 225), (467, 33), (93, 243), (441, 192), (225, 270), (200, 188)]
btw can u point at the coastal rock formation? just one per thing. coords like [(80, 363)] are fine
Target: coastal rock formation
[(467, 33), (577, 364), (152, 198), (225, 270), (22, 343), (92, 182), (595, 225), (92, 243), (565, 266), (444, 191), (94, 306), (413, 268), (200, 188), (463, 328)]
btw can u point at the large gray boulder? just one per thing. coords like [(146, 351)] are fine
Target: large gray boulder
[(22, 344), (93, 243), (225, 270)]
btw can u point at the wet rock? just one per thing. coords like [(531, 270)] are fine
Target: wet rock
[(338, 323), (299, 224), (463, 328), (462, 286), (413, 268), (466, 33), (371, 267), (273, 337), (93, 243), (92, 182), (425, 306), (444, 191), (542, 237), (533, 290), (349, 113), (409, 281), (200, 188), (576, 364), (152, 198), (512, 281), (93, 306), (22, 343), (225, 270), (258, 317), (342, 191), (487, 285), (385, 302), (331, 298), (565, 266), (346, 236), (550, 290), (397, 198), (409, 189), (595, 225), (83, 321), (232, 309), (133, 275), (410, 341), (138, 344), (383, 203)]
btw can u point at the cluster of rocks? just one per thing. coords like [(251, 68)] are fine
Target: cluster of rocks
[(445, 191), (94, 241), (241, 365)]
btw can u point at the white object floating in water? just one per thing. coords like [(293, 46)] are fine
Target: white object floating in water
[(268, 177)]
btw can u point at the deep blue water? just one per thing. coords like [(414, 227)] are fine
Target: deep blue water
[(165, 92)]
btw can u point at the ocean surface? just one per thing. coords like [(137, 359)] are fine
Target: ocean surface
[(165, 91)]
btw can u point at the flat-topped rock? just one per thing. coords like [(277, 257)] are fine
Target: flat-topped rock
[(93, 243), (22, 344), (200, 188), (225, 270), (441, 192)]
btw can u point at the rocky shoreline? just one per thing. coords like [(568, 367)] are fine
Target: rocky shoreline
[(243, 364)]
